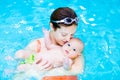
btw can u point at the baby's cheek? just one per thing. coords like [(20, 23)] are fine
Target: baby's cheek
[(74, 55), (70, 55)]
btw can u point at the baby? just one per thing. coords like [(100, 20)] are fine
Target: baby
[(58, 56), (69, 50)]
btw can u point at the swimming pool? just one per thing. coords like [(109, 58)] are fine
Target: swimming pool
[(21, 21)]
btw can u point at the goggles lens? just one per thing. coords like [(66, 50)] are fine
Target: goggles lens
[(67, 20)]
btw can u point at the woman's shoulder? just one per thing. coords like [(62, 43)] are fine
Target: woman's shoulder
[(41, 44), (36, 41), (37, 45), (40, 41)]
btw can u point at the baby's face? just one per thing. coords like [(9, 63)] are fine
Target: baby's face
[(72, 49)]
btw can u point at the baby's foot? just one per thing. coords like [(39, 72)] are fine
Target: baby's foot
[(23, 67), (20, 54)]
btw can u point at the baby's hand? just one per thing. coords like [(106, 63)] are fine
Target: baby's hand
[(67, 63), (45, 31)]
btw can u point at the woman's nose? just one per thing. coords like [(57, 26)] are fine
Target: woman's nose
[(68, 38)]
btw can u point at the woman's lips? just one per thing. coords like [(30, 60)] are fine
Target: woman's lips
[(65, 42)]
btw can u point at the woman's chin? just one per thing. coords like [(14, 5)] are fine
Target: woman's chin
[(61, 43)]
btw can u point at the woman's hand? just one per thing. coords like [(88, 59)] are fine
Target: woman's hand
[(45, 64)]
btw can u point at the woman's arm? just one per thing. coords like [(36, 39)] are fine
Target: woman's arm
[(32, 48), (78, 66)]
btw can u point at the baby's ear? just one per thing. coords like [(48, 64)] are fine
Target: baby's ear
[(79, 54)]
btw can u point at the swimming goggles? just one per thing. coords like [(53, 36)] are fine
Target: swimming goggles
[(67, 20)]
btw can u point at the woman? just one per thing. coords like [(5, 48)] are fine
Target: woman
[(63, 24)]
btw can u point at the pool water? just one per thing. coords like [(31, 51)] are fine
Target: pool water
[(22, 20)]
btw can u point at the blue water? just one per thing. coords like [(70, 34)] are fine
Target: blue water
[(21, 21)]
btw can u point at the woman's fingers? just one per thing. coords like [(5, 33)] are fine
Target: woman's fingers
[(48, 66), (44, 64), (37, 62)]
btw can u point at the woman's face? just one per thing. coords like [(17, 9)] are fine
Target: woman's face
[(63, 34)]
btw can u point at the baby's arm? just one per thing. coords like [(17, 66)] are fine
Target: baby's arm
[(48, 42), (67, 63)]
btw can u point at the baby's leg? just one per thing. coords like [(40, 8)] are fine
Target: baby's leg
[(24, 67), (22, 54)]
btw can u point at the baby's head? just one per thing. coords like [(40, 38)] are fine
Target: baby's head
[(73, 48)]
